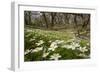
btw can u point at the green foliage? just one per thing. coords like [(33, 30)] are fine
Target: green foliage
[(43, 45)]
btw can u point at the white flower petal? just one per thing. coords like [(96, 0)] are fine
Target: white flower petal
[(45, 54), (55, 56), (52, 49), (82, 55), (40, 42), (37, 49), (83, 49), (27, 51)]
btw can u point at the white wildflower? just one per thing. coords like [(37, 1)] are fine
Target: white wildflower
[(82, 55), (45, 54), (55, 56), (52, 49), (69, 47), (59, 41), (72, 47), (37, 49), (40, 42), (34, 50), (82, 49), (75, 44), (27, 51), (64, 46), (53, 45), (32, 39)]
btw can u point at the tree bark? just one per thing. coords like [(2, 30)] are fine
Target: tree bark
[(46, 22)]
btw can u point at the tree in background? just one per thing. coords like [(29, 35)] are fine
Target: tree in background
[(27, 17), (80, 23)]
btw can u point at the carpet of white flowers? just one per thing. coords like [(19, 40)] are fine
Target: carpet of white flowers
[(51, 45)]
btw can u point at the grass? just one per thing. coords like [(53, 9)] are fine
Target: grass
[(61, 34)]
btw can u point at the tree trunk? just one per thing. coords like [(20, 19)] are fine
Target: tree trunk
[(46, 22)]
